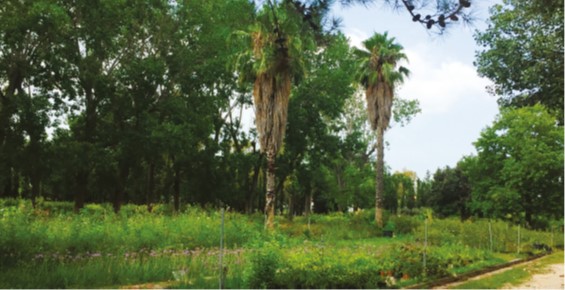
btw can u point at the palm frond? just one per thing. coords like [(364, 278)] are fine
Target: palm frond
[(378, 72)]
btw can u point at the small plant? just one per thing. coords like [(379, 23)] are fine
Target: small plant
[(264, 265)]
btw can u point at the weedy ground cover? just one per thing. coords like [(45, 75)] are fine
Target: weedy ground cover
[(50, 247)]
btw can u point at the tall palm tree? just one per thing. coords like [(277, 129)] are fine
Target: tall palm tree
[(379, 74), (271, 58)]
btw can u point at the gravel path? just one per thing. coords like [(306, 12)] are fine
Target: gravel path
[(552, 279)]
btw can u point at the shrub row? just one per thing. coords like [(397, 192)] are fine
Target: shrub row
[(356, 267)]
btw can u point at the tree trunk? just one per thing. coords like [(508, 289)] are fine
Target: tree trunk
[(34, 179), (270, 196), (15, 190), (290, 213), (308, 203), (251, 195), (82, 188), (176, 188), (87, 138), (7, 190), (120, 188), (150, 187), (379, 178)]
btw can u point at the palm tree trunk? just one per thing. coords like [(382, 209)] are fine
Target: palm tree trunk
[(270, 197), (379, 178)]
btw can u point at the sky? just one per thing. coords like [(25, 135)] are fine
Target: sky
[(453, 98)]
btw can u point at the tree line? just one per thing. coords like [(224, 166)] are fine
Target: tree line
[(143, 102)]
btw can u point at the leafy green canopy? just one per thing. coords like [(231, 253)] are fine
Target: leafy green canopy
[(523, 53), (518, 173)]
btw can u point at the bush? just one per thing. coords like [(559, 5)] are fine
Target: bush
[(406, 224), (264, 265)]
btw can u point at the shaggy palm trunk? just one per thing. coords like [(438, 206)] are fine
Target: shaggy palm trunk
[(270, 96), (379, 178), (270, 197)]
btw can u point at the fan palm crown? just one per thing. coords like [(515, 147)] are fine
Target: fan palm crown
[(379, 74)]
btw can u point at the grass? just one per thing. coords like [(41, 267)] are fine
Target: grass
[(515, 276), (50, 247)]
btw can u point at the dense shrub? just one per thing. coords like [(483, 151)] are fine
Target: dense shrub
[(405, 224)]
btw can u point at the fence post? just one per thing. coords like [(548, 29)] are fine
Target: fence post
[(490, 234), (222, 251), (552, 242), (519, 239), (425, 243)]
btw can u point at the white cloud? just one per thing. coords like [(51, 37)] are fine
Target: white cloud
[(356, 37), (438, 86), (437, 82)]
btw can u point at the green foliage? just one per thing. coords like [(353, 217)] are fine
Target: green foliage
[(523, 53), (450, 192), (358, 266), (476, 234), (518, 172), (332, 227), (49, 246), (264, 265), (405, 225), (27, 233)]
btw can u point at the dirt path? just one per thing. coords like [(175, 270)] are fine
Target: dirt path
[(549, 278), (553, 279)]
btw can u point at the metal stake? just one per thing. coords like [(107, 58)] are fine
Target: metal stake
[(222, 252)]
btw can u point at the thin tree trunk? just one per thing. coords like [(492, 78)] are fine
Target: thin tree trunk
[(88, 131), (7, 192), (308, 203), (270, 196), (34, 179), (249, 204), (379, 178), (290, 213), (15, 189), (150, 187), (119, 193), (176, 187), (82, 189)]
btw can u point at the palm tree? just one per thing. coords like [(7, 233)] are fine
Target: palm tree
[(271, 58), (379, 74)]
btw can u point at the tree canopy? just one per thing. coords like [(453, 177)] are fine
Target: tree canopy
[(518, 172), (523, 53)]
